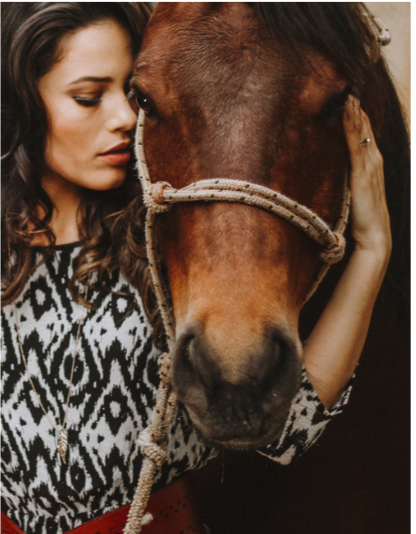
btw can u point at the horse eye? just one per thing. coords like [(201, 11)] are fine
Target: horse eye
[(336, 105), (144, 102)]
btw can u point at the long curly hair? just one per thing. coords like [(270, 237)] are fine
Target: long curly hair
[(31, 34)]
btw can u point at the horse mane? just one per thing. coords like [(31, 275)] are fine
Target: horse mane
[(339, 31)]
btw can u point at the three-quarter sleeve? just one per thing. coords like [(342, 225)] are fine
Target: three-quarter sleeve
[(306, 421)]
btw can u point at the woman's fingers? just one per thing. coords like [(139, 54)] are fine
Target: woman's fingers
[(366, 160), (369, 214), (359, 134)]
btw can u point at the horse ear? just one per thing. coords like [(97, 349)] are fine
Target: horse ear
[(380, 33)]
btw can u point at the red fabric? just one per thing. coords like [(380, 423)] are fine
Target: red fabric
[(171, 507), (8, 527)]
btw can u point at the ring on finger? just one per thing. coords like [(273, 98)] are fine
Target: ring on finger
[(364, 142)]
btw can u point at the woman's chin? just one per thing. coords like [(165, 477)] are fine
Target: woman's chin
[(107, 181)]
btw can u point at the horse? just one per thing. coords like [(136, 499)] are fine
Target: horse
[(255, 92)]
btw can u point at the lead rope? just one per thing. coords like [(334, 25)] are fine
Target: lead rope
[(158, 197)]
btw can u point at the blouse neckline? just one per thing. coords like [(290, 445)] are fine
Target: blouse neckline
[(64, 246)]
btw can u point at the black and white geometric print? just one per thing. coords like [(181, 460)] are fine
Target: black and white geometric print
[(113, 395), (306, 421)]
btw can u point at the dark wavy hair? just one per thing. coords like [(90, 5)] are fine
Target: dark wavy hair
[(31, 34)]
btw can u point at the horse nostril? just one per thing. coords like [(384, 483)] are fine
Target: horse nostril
[(182, 352), (204, 366), (196, 359), (272, 362), (193, 362), (280, 350)]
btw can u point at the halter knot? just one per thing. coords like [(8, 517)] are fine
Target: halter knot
[(150, 449), (154, 197), (335, 252)]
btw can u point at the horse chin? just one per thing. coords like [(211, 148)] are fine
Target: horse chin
[(245, 444), (238, 441)]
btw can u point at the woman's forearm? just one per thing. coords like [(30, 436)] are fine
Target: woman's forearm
[(333, 349)]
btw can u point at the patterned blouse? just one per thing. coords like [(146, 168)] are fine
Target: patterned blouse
[(114, 388)]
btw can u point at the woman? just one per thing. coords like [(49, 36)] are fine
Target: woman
[(80, 354)]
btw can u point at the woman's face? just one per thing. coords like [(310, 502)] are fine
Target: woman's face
[(90, 119)]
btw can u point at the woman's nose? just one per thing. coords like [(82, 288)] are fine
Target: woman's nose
[(122, 116)]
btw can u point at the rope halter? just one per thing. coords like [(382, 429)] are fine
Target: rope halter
[(380, 33), (158, 198)]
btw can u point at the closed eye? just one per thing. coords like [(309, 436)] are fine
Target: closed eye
[(335, 105), (87, 102)]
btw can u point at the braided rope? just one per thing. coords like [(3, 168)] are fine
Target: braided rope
[(378, 28), (152, 442), (380, 33), (158, 198)]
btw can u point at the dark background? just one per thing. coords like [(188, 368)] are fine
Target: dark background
[(355, 479)]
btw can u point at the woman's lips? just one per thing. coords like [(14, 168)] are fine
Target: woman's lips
[(117, 158), (117, 155)]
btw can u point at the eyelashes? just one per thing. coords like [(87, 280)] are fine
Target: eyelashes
[(87, 102), (95, 100)]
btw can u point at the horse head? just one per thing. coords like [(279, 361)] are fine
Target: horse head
[(226, 96)]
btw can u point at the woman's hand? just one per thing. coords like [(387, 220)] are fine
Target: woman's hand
[(334, 347), (369, 214)]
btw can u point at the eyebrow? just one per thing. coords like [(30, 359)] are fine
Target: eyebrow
[(139, 66), (97, 79)]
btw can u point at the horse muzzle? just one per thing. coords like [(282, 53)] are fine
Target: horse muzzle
[(238, 400)]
